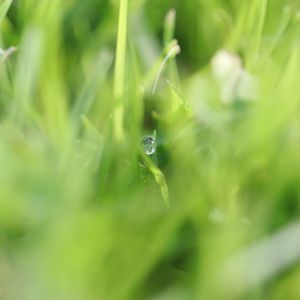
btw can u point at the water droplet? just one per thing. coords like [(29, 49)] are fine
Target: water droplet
[(149, 144)]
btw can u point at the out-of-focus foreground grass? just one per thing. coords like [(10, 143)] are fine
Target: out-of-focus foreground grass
[(213, 213)]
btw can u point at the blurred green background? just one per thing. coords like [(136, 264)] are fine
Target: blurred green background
[(213, 213)]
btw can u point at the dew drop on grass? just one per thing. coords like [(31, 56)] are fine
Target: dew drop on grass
[(149, 144)]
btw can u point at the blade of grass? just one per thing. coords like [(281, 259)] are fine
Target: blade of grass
[(261, 23), (172, 71), (160, 180), (173, 51), (119, 75), (4, 8), (88, 93)]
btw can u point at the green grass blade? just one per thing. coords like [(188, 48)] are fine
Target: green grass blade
[(4, 8), (119, 75)]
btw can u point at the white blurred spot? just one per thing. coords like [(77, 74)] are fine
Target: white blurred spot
[(235, 82), (216, 216), (226, 64), (8, 52), (262, 261)]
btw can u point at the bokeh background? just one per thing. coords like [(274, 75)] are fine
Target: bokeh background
[(213, 213)]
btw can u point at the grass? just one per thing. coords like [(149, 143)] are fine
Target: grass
[(213, 213), (119, 79)]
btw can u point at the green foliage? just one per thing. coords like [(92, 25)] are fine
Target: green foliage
[(85, 213)]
